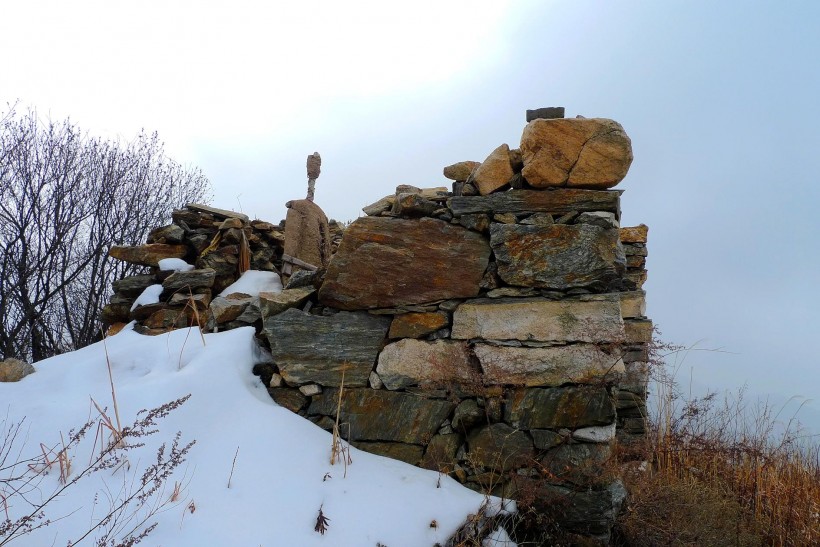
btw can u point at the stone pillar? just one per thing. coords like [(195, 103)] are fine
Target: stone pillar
[(307, 237)]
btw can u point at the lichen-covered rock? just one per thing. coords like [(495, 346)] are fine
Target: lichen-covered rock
[(538, 319), (381, 415), (14, 370), (551, 366), (557, 256), (634, 234), (555, 407), (384, 262), (410, 362), (633, 304), (440, 454), (460, 171), (576, 152), (313, 348), (272, 303)]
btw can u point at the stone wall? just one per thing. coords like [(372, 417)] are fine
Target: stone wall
[(494, 331)]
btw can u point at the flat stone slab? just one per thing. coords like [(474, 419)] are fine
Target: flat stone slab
[(537, 319), (149, 254), (190, 279), (551, 408), (380, 415), (217, 213), (273, 303), (559, 256), (551, 366), (559, 200), (383, 263), (314, 348), (633, 304), (416, 325), (412, 362)]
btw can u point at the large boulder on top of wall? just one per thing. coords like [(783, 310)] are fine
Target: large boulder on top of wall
[(307, 233), (460, 171), (384, 262), (381, 415), (558, 257), (537, 319), (314, 348), (575, 152)]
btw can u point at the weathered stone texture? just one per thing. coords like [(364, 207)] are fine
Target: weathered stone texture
[(635, 234), (311, 348), (537, 319), (500, 447), (191, 279), (410, 362), (559, 200), (551, 408), (587, 153), (14, 370), (558, 256), (307, 234), (416, 325), (380, 415), (633, 304), (408, 453), (384, 262), (273, 303), (551, 366)]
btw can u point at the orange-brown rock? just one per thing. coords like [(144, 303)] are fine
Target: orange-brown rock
[(149, 254), (416, 325), (575, 152), (384, 262), (494, 172), (460, 171), (635, 234)]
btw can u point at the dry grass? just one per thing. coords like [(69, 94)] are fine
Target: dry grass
[(723, 473)]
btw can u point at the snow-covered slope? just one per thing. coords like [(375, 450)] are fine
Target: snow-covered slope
[(281, 476)]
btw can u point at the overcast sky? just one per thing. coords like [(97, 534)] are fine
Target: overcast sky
[(721, 100)]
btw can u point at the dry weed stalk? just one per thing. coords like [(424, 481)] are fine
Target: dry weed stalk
[(233, 465), (339, 449)]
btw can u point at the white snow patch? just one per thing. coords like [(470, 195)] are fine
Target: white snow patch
[(253, 282), (282, 474), (498, 538), (149, 296), (176, 264)]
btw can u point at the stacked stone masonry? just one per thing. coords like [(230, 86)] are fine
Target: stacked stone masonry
[(494, 331)]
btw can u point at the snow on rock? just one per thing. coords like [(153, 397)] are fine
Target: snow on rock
[(282, 473), (176, 264), (498, 538), (253, 282), (149, 296)]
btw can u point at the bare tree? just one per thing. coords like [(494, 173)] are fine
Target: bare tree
[(65, 198)]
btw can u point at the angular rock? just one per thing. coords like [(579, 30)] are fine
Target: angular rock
[(217, 213), (576, 463), (384, 262), (408, 453), (273, 303), (558, 201), (309, 390), (558, 256), (544, 439), (547, 113), (416, 325), (499, 447), (305, 278), (312, 348), (517, 161), (170, 317), (167, 234), (536, 319), (292, 399), (228, 309), (633, 304), (479, 222), (637, 277), (191, 279), (460, 171), (468, 415), (115, 313), (410, 362), (14, 370), (601, 219), (539, 219), (552, 408), (441, 453), (413, 205), (638, 331), (149, 254), (553, 366), (374, 381), (200, 300), (494, 172), (412, 419), (133, 285), (595, 434), (634, 234), (585, 153), (381, 206), (143, 312)]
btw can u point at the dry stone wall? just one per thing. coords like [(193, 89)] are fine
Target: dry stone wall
[(494, 331)]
